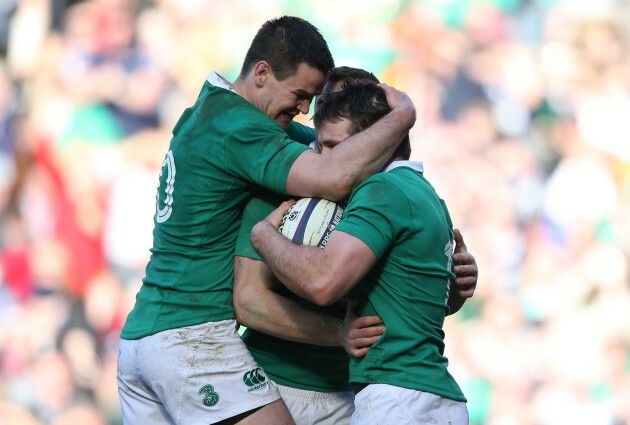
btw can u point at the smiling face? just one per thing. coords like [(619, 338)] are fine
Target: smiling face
[(283, 100), (331, 133)]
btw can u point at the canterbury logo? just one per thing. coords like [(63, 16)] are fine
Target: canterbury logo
[(255, 379)]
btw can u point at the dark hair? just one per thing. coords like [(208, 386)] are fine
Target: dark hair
[(362, 105), (285, 43), (345, 76)]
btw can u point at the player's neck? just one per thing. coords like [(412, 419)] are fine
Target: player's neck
[(239, 86)]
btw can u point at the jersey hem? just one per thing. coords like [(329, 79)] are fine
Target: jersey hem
[(409, 385)]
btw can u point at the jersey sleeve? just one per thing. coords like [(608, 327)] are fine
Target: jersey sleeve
[(372, 214), (301, 133), (262, 154)]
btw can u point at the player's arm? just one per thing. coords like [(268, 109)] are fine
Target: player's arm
[(322, 275), (333, 175), (466, 275), (258, 306)]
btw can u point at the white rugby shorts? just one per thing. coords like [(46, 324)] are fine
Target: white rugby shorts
[(389, 404), (318, 408), (193, 375)]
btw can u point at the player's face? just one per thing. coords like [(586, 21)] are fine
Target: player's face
[(331, 133), (283, 100)]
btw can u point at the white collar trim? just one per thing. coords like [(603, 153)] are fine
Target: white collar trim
[(219, 80), (416, 165)]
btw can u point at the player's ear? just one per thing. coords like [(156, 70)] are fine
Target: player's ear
[(262, 71)]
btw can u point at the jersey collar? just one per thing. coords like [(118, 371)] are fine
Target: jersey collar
[(416, 165), (219, 80)]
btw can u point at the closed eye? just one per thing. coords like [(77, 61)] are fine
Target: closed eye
[(303, 95), (326, 145)]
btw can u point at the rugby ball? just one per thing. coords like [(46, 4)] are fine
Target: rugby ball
[(310, 221)]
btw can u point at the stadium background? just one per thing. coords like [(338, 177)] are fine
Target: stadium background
[(523, 124)]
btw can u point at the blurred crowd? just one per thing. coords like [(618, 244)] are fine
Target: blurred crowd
[(523, 125)]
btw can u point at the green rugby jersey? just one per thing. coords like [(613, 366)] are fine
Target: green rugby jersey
[(293, 364), (222, 150), (408, 227)]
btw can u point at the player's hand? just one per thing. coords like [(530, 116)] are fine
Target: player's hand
[(275, 218), (465, 268), (400, 101), (357, 334)]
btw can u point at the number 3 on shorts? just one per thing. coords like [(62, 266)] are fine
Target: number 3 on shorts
[(164, 195)]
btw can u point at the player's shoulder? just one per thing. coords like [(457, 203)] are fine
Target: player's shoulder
[(402, 177), (233, 110), (380, 180), (252, 127), (382, 190)]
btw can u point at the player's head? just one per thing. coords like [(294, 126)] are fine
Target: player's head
[(285, 43), (340, 78), (286, 64), (342, 114), (344, 76)]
